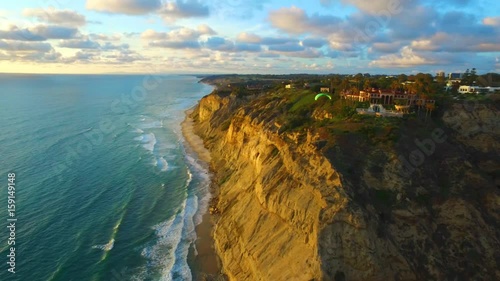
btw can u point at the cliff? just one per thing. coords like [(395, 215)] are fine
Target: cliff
[(417, 201)]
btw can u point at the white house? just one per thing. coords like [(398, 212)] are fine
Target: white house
[(379, 110), (468, 89)]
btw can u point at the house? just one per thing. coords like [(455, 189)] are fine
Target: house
[(324, 89), (455, 76), (468, 89), (379, 111), (476, 89), (289, 86)]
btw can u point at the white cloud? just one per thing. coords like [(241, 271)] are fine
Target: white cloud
[(128, 7), (53, 16), (205, 29), (100, 36), (380, 6), (24, 46), (172, 11), (294, 20), (39, 32), (80, 44), (406, 58), (246, 37), (181, 34), (493, 21)]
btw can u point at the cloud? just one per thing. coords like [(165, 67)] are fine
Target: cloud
[(81, 57), (244, 47), (287, 48), (314, 42), (38, 52), (181, 38), (308, 53), (278, 40), (205, 29), (172, 11), (224, 45), (176, 44), (58, 17), (384, 47), (104, 37), (40, 57), (379, 6), (218, 43), (493, 21), (80, 44), (443, 42), (110, 46), (295, 21), (54, 32), (38, 33), (246, 37), (179, 34), (128, 7), (269, 55), (406, 58), (25, 46), (15, 33)]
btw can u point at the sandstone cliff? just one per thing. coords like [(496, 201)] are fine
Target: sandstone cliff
[(314, 205)]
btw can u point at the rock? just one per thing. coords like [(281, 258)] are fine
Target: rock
[(291, 211)]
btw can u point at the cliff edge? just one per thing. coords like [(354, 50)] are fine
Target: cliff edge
[(352, 199)]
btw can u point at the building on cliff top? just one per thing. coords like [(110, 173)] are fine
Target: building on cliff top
[(379, 111)]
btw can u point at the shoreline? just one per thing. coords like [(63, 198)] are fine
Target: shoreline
[(206, 262)]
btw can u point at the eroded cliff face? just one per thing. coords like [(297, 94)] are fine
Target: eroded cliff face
[(295, 206)]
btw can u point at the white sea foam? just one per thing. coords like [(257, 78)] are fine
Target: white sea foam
[(149, 141), (152, 125), (105, 247), (163, 253), (175, 237), (162, 164)]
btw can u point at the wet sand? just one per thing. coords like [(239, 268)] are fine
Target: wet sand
[(206, 261)]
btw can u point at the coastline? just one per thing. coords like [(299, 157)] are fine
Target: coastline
[(206, 262)]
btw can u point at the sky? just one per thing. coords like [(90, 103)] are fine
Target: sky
[(240, 36)]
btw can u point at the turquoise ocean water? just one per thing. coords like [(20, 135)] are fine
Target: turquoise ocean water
[(105, 187)]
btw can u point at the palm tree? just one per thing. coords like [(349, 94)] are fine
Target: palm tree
[(429, 109), (419, 105), (395, 85)]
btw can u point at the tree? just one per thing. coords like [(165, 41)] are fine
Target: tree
[(466, 78), (358, 77), (440, 79), (367, 84), (402, 78), (345, 84), (395, 85), (429, 109), (473, 76)]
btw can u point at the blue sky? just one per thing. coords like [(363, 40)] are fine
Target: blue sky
[(238, 36)]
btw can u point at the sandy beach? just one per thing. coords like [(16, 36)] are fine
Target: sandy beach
[(207, 263)]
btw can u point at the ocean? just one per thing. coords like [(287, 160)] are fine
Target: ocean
[(105, 187)]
